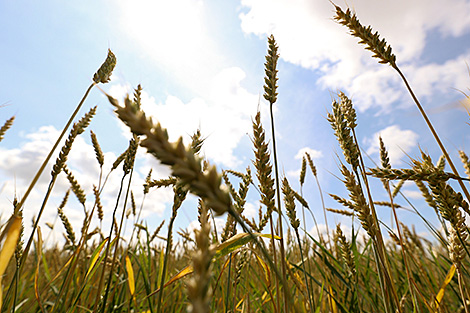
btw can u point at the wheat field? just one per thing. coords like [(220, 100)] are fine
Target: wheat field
[(264, 264)]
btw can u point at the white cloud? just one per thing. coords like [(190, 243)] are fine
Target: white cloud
[(397, 141), (308, 36), (444, 77), (224, 117), (251, 210), (320, 229), (314, 154), (19, 165), (412, 194)]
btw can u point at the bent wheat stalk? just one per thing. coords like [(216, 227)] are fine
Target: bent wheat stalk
[(383, 52)]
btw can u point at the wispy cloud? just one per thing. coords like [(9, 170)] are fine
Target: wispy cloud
[(308, 39), (314, 154), (397, 141)]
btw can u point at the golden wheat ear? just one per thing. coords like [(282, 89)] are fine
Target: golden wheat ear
[(186, 165), (103, 75), (379, 47), (6, 126)]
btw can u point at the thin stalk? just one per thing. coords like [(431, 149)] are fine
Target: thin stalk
[(405, 260), (49, 190), (278, 196), (273, 245), (227, 293), (138, 216), (68, 276), (43, 166), (434, 133), (100, 284), (303, 268), (462, 294), (178, 200), (379, 238), (261, 246), (117, 239), (312, 302), (324, 209)]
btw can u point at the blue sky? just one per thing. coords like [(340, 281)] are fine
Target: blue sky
[(201, 64)]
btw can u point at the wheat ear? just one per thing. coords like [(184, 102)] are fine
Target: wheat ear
[(185, 164), (199, 288), (379, 47), (6, 126), (383, 52)]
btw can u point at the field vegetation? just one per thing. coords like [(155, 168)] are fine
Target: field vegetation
[(267, 264)]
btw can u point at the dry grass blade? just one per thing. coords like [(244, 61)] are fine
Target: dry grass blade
[(36, 272), (130, 277), (8, 238)]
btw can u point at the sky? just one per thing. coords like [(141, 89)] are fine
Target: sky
[(201, 65)]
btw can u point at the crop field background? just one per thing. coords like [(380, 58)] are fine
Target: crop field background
[(284, 157)]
